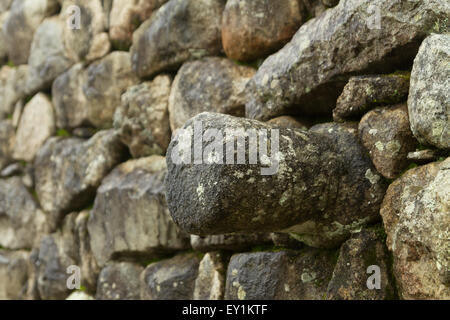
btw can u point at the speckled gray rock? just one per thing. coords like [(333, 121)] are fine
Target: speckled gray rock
[(349, 281), (172, 279), (22, 223), (429, 98), (14, 270), (12, 88), (126, 16), (416, 217), (37, 124), (119, 281), (229, 242), (321, 182), (24, 18), (68, 171), (364, 93), (57, 252), (210, 84), (142, 120), (130, 217), (89, 97), (7, 136), (255, 29), (210, 282), (386, 133), (283, 275), (309, 73), (177, 33)]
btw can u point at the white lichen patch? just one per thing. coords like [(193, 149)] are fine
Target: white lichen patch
[(372, 177)]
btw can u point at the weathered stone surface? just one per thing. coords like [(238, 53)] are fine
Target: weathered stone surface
[(330, 3), (321, 181), (211, 84), (309, 73), (90, 96), (7, 137), (386, 133), (364, 93), (229, 242), (12, 88), (57, 252), (4, 5), (429, 97), (177, 33), (14, 270), (172, 279), (284, 240), (255, 29), (142, 120), (289, 122), (126, 16), (119, 281), (3, 45), (80, 296), (210, 282), (424, 156), (37, 124), (67, 171), (24, 18), (350, 276), (416, 217), (283, 275), (21, 221), (130, 215)]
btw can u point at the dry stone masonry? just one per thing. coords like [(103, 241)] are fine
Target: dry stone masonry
[(224, 149)]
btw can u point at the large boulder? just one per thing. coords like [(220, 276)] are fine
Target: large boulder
[(22, 223), (355, 37), (119, 281), (211, 84), (130, 217), (142, 120), (180, 30), (37, 124), (90, 96), (68, 171), (282, 275), (416, 217), (254, 29), (386, 133), (429, 97), (319, 185), (24, 18)]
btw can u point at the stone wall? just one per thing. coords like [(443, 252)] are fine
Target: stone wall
[(96, 98)]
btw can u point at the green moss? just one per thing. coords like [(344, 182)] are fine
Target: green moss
[(252, 64), (10, 64), (62, 133)]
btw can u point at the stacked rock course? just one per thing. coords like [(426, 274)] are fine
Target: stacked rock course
[(224, 149)]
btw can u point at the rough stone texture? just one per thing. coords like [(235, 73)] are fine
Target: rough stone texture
[(3, 45), (67, 171), (4, 5), (321, 182), (364, 93), (119, 281), (429, 97), (21, 221), (330, 3), (255, 29), (416, 217), (18, 30), (37, 124), (229, 242), (350, 276), (424, 156), (284, 240), (309, 73), (57, 252), (126, 16), (12, 88), (172, 279), (14, 270), (177, 33), (289, 122), (130, 217), (7, 137), (142, 120), (386, 133), (89, 97), (210, 282), (282, 275), (210, 84)]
